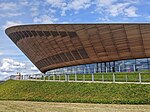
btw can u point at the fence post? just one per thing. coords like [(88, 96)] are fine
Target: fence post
[(102, 77), (113, 78), (59, 77), (68, 77), (75, 77), (44, 77), (126, 78), (83, 77), (92, 77), (53, 77), (65, 77), (140, 77)]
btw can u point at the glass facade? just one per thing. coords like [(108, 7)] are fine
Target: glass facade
[(115, 66)]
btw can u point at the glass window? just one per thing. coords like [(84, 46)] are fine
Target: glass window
[(142, 64)]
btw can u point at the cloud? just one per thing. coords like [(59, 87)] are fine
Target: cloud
[(9, 67), (24, 2), (45, 19), (131, 12), (79, 4), (8, 6), (57, 3), (35, 7), (105, 2), (1, 53), (12, 9), (116, 8), (106, 7), (104, 19), (35, 11), (34, 68), (71, 5), (9, 14), (11, 23)]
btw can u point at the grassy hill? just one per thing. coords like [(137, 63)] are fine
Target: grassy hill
[(75, 92)]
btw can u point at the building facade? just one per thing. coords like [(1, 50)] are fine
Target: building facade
[(84, 48), (133, 65)]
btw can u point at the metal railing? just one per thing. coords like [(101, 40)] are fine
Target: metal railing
[(103, 77), (139, 77)]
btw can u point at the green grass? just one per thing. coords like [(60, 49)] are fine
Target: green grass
[(75, 92), (119, 77)]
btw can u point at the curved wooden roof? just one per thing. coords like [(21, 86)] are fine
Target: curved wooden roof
[(51, 46)]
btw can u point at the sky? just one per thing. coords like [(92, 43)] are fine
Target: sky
[(20, 12)]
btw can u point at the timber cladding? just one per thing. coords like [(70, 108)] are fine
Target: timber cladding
[(51, 46)]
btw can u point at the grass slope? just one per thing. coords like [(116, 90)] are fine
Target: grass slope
[(75, 92)]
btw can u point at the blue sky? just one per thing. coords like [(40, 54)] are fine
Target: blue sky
[(16, 12)]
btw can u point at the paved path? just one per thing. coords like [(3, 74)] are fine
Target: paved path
[(26, 106), (90, 81)]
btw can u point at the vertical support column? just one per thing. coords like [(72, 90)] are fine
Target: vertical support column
[(135, 65), (135, 69), (140, 78), (119, 67), (92, 76), (124, 65), (114, 66), (85, 69), (109, 67), (101, 68), (84, 73), (106, 69), (96, 67), (148, 64), (105, 66)]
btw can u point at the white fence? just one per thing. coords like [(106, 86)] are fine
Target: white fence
[(101, 77)]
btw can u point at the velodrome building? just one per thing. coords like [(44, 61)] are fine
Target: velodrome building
[(84, 48)]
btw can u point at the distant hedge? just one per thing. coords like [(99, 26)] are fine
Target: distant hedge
[(75, 92)]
